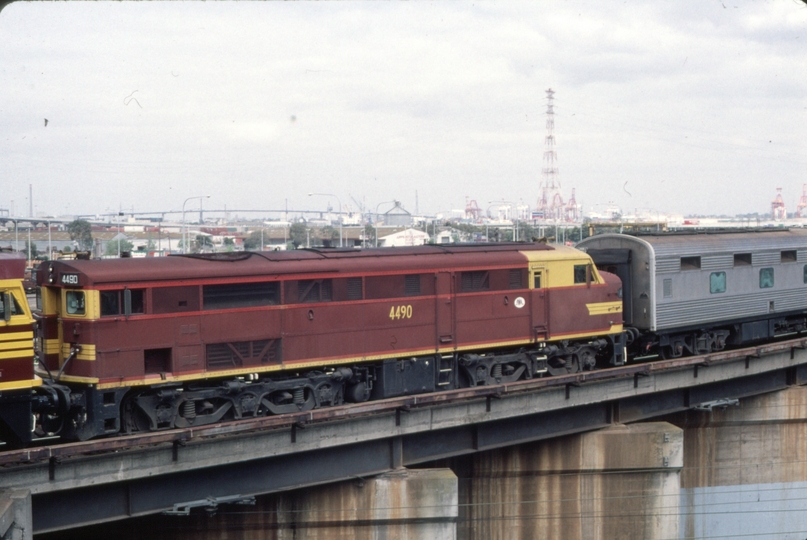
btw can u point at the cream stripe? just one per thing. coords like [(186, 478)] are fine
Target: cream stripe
[(604, 308), (15, 345), (14, 385), (16, 335), (20, 353)]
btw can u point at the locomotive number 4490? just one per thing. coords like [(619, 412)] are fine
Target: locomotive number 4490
[(400, 312), (69, 279)]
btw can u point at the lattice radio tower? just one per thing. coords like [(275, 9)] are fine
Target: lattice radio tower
[(550, 205)]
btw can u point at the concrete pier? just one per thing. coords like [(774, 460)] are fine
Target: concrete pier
[(619, 482), (745, 468), (15, 515)]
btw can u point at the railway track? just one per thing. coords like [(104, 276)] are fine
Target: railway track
[(294, 421)]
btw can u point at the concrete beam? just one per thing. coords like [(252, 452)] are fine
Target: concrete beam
[(400, 505)]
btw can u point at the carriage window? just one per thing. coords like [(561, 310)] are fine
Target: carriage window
[(314, 290), (805, 273), (690, 263), (580, 273), (475, 281), (742, 259), (789, 256), (765, 278), (238, 295), (74, 302), (717, 282)]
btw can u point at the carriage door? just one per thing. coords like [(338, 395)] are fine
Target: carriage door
[(619, 262), (444, 310), (539, 303)]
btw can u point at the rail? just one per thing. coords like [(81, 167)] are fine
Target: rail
[(395, 405)]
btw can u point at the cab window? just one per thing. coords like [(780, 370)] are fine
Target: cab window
[(13, 306), (580, 273), (114, 302), (74, 302), (110, 303)]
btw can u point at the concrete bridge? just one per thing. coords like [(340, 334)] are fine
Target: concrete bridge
[(572, 457)]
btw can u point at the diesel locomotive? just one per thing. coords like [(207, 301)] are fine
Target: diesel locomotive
[(126, 345)]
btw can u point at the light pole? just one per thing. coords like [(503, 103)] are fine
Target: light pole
[(118, 232), (340, 211), (510, 205), (376, 218), (184, 224)]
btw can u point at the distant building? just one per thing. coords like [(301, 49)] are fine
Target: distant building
[(407, 237), (447, 236), (397, 216)]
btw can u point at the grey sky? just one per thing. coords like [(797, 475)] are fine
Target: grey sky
[(680, 106)]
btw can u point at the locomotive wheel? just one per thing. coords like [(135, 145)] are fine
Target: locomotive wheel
[(51, 424), (586, 359)]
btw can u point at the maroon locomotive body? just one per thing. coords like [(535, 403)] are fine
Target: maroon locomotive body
[(187, 340)]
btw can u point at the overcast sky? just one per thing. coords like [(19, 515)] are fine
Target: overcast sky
[(679, 106)]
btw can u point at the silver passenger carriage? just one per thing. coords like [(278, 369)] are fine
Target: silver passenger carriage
[(696, 292)]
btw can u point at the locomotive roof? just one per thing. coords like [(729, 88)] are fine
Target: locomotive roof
[(268, 263), (710, 243), (12, 265)]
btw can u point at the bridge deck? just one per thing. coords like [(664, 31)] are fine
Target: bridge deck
[(82, 483)]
